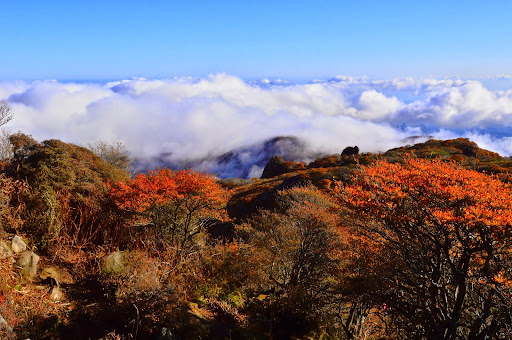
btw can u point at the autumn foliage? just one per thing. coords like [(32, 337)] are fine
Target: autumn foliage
[(163, 186), (440, 238), (169, 208), (373, 246)]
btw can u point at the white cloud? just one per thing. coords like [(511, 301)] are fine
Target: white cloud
[(465, 106), (375, 106), (199, 117)]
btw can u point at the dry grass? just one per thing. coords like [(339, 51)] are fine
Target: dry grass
[(24, 306), (115, 336)]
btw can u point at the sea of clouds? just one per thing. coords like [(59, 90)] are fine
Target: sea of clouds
[(195, 118)]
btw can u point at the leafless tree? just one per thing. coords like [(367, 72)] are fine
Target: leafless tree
[(6, 151), (113, 153), (6, 113)]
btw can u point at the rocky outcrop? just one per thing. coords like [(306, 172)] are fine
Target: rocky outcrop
[(58, 275), (278, 166), (350, 151), (275, 167)]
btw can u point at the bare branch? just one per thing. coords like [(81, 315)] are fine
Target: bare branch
[(6, 113), (114, 153), (6, 150)]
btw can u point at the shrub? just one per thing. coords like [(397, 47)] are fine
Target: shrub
[(440, 240), (294, 259), (66, 196), (169, 208)]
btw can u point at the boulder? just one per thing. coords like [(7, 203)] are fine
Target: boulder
[(350, 151), (27, 261), (277, 166), (113, 264), (59, 275), (17, 245)]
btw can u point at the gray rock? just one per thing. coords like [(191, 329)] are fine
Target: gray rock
[(28, 263), (17, 245), (113, 264), (27, 258), (5, 251)]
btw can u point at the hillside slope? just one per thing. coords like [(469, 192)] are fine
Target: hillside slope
[(251, 195)]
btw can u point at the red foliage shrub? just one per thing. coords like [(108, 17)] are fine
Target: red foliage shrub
[(169, 208), (440, 240)]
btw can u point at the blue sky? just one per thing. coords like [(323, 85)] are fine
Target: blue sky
[(296, 40)]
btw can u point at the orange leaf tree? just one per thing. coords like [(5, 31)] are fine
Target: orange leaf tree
[(441, 239), (174, 205)]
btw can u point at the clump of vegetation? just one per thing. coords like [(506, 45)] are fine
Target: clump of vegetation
[(65, 196), (114, 154)]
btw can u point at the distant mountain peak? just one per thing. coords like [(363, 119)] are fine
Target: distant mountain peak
[(243, 162)]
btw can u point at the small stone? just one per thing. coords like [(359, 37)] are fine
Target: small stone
[(17, 245), (113, 264), (56, 295)]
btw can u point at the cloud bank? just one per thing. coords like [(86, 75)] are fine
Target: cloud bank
[(196, 118)]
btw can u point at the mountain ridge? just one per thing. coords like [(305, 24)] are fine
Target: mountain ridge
[(324, 172)]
